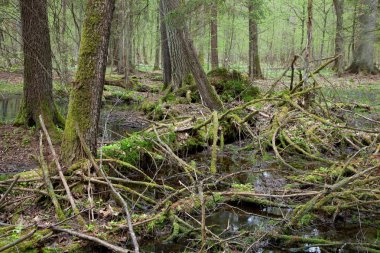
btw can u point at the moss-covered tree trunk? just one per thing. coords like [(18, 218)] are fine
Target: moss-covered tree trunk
[(86, 93), (364, 52), (38, 88)]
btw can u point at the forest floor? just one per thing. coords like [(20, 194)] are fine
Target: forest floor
[(286, 177)]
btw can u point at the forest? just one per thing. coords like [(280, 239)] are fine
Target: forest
[(189, 126)]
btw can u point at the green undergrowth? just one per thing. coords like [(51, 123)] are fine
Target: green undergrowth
[(10, 88), (139, 148), (368, 94), (232, 85), (127, 97), (136, 147), (324, 174)]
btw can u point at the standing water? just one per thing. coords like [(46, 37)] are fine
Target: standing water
[(9, 106)]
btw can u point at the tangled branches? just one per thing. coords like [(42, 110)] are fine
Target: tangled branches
[(329, 171)]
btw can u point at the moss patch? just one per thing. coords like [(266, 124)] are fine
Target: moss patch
[(232, 85)]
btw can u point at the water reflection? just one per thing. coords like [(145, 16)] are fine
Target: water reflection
[(9, 107)]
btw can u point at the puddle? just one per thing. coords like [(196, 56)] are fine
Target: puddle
[(121, 119), (9, 106)]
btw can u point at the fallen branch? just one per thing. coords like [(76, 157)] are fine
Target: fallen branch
[(60, 173), (9, 190), (49, 185), (12, 244), (92, 239)]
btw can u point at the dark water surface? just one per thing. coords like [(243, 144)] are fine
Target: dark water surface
[(120, 119), (9, 106)]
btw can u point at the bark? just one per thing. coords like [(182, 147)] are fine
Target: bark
[(130, 49), (64, 47), (86, 93), (339, 36), (165, 52), (214, 35), (158, 43), (351, 48), (308, 52), (363, 61), (303, 19), (38, 88), (179, 62), (325, 12), (254, 58), (309, 42), (183, 56), (207, 92)]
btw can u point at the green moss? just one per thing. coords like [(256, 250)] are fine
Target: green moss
[(157, 223), (214, 200), (250, 93), (154, 110), (313, 178), (30, 174), (232, 85), (242, 187), (219, 72), (133, 148), (27, 245), (307, 219)]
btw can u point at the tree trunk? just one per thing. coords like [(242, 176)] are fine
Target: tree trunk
[(364, 53), (309, 42), (38, 88), (207, 92), (158, 43), (303, 18), (64, 47), (308, 52), (352, 46), (165, 52), (86, 94), (214, 34), (325, 13), (339, 36), (179, 62), (183, 56), (254, 58)]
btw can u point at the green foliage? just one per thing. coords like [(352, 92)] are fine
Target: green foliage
[(132, 149), (307, 219), (154, 110), (232, 85), (242, 187), (9, 88)]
